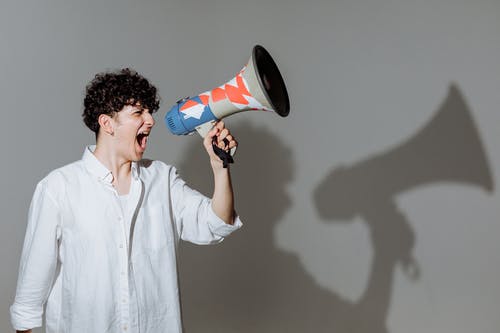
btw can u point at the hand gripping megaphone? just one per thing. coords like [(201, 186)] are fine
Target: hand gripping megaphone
[(258, 86)]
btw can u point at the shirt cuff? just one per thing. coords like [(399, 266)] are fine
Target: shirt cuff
[(221, 228), (25, 318)]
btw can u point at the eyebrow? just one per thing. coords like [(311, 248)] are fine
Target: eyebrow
[(136, 108)]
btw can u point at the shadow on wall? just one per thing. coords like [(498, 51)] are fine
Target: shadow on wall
[(446, 149), (247, 284)]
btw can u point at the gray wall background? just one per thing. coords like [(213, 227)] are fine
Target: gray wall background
[(372, 208)]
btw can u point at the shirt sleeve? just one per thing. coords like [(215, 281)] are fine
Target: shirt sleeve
[(38, 261), (194, 217)]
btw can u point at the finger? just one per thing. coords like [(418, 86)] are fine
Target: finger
[(223, 134), (220, 125), (207, 142), (223, 144), (232, 144), (213, 131)]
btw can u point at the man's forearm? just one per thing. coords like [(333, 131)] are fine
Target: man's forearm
[(223, 198)]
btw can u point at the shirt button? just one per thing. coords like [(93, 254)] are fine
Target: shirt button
[(124, 328), (124, 300), (119, 218), (121, 246)]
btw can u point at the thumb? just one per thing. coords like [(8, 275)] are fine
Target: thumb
[(208, 138)]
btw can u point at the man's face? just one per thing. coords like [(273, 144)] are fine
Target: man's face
[(132, 126)]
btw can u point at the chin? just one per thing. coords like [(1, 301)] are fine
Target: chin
[(137, 156)]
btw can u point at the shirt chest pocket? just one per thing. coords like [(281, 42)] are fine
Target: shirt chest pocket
[(152, 231)]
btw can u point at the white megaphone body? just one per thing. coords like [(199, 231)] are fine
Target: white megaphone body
[(258, 86)]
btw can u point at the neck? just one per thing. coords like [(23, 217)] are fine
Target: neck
[(119, 166)]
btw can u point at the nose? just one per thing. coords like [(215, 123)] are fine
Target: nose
[(148, 119)]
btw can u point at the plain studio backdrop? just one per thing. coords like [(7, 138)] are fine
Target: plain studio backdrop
[(372, 208)]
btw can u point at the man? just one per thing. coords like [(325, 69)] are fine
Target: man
[(101, 243)]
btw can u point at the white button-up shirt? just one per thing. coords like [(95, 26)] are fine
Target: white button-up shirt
[(78, 260)]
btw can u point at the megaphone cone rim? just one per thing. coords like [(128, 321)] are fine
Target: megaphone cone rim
[(283, 112)]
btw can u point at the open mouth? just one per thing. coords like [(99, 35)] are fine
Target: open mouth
[(142, 139)]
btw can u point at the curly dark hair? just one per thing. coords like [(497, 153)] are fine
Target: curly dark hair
[(109, 92)]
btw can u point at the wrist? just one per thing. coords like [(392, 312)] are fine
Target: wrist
[(218, 167)]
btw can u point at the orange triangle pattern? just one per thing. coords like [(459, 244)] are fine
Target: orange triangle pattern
[(188, 104), (193, 102), (204, 99), (218, 94), (235, 93)]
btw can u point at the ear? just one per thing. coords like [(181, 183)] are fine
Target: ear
[(106, 124)]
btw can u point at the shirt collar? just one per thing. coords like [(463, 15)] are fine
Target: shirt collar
[(99, 170)]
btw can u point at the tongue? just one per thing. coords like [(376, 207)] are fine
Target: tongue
[(142, 139)]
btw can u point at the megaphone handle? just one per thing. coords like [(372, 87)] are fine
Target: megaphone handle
[(204, 128)]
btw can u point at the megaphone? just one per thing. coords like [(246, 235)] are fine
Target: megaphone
[(258, 86)]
